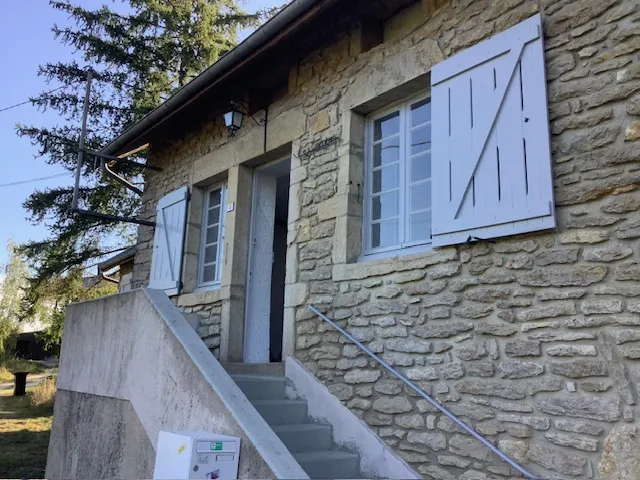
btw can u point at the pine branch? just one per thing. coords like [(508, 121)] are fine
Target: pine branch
[(138, 59)]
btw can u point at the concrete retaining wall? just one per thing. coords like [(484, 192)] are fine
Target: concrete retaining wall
[(83, 445), (377, 459), (135, 354)]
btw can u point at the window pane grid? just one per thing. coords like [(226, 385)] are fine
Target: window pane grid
[(382, 220), (384, 192), (419, 178), (383, 139), (212, 235), (399, 178)]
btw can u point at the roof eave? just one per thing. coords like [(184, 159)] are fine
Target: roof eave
[(207, 79)]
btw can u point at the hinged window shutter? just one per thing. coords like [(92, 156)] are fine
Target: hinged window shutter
[(491, 153), (168, 242)]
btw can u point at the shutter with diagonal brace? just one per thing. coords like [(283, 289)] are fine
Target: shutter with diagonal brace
[(491, 152), (168, 241)]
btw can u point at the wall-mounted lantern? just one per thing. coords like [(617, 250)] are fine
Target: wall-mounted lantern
[(233, 120)]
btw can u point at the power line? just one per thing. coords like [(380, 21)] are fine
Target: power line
[(21, 182), (29, 101)]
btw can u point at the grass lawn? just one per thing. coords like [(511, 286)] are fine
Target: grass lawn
[(18, 365), (24, 437)]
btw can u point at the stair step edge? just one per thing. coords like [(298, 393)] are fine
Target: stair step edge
[(257, 378), (318, 455), (300, 427), (276, 402)]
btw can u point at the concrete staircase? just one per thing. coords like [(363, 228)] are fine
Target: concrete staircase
[(310, 443)]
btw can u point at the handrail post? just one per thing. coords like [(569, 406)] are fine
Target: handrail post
[(428, 398)]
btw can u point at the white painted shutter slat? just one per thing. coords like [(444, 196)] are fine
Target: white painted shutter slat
[(461, 146), (168, 242), (491, 154), (537, 144), (509, 144), (483, 95)]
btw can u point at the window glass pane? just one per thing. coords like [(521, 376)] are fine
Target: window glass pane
[(384, 233), (211, 253), (212, 234), (385, 179), (420, 196), (421, 112), (209, 273), (213, 216), (421, 167), (420, 226), (386, 152), (421, 139), (386, 126), (214, 197), (385, 206)]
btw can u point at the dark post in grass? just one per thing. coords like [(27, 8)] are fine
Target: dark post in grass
[(20, 384)]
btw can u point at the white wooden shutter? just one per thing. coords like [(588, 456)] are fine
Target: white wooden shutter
[(491, 153), (168, 242)]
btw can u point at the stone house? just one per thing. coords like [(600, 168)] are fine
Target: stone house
[(119, 269), (455, 182)]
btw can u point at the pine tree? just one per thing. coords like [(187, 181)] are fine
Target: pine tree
[(138, 58)]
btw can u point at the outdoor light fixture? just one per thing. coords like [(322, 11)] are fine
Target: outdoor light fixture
[(233, 120)]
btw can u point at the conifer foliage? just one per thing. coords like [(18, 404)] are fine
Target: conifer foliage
[(140, 51)]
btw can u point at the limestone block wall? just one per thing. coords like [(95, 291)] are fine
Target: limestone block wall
[(534, 340), (209, 312)]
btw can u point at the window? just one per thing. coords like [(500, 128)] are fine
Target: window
[(212, 237), (398, 178)]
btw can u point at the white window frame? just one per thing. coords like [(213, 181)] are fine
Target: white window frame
[(221, 236), (403, 247)]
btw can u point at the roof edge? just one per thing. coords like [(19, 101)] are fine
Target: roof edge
[(118, 259), (252, 43)]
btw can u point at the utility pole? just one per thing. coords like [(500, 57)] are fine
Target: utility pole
[(81, 150), (83, 134)]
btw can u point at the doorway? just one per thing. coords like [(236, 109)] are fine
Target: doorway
[(267, 264)]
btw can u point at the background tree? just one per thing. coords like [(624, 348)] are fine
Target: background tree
[(49, 299), (45, 303), (14, 280), (139, 58)]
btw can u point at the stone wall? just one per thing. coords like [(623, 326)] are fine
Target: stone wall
[(534, 339), (209, 313)]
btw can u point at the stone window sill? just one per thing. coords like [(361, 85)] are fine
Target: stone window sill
[(397, 263), (211, 295), (396, 253)]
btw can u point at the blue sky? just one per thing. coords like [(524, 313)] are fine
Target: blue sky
[(26, 41)]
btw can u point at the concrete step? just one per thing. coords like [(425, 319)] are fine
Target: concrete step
[(282, 412), (305, 437), (260, 387), (268, 369), (328, 464)]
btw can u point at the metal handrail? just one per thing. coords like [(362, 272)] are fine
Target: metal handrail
[(424, 395)]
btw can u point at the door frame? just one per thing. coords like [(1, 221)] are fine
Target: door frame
[(250, 257)]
